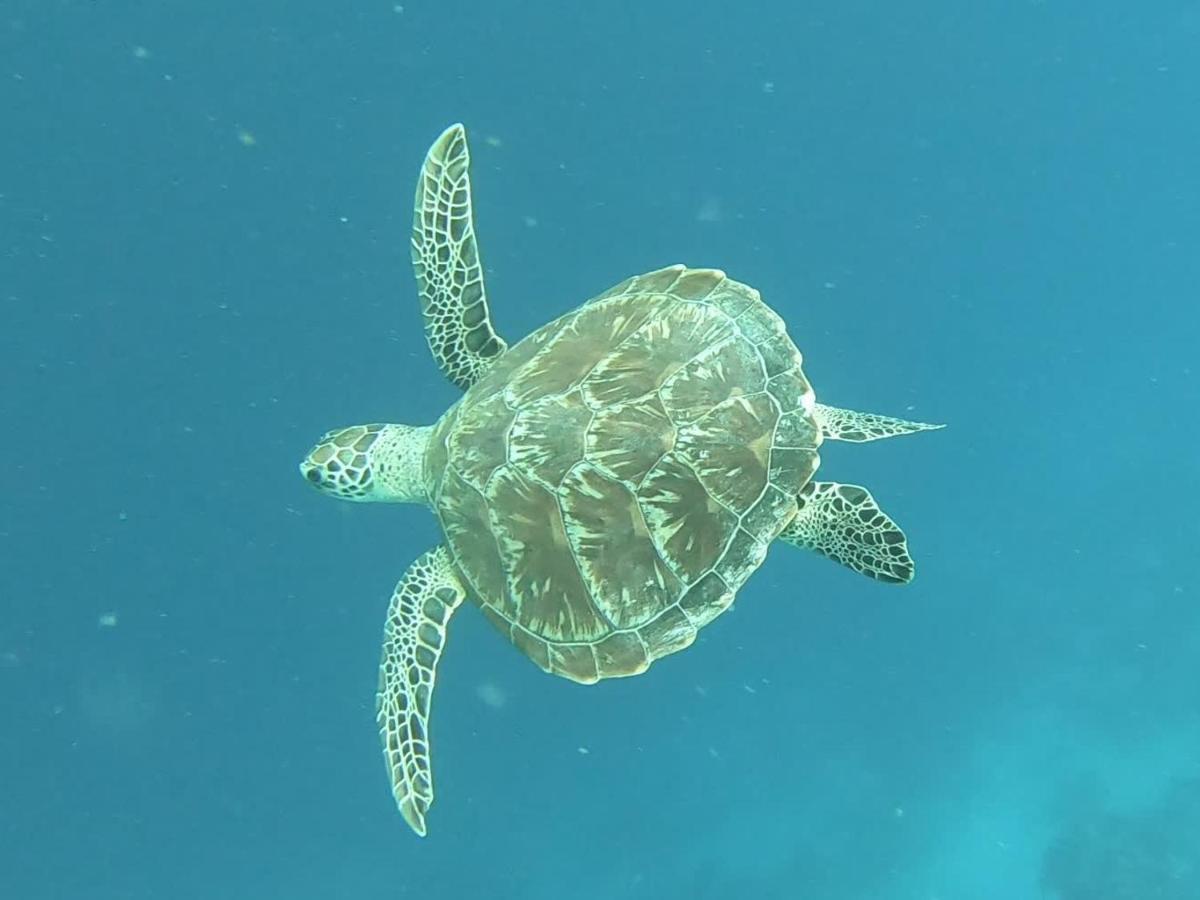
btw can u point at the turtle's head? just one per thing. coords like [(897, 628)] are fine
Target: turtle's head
[(369, 463)]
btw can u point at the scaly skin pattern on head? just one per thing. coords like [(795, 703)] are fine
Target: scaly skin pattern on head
[(375, 463)]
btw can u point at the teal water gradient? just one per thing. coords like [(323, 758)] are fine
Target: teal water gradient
[(984, 214)]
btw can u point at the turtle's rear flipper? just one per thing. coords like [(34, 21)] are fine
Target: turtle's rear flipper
[(843, 522), (413, 638), (850, 425)]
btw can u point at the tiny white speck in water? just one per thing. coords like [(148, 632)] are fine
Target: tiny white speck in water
[(108, 620), (709, 211), (491, 694)]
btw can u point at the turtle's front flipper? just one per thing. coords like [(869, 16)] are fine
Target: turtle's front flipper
[(843, 522), (851, 425), (413, 638), (445, 259)]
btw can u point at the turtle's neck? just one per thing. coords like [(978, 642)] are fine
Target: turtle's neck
[(396, 460)]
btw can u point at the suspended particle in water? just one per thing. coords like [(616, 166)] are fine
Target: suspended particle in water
[(492, 695)]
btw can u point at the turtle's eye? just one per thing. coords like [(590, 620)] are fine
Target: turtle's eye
[(313, 475)]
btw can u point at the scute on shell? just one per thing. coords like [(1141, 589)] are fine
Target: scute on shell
[(613, 479)]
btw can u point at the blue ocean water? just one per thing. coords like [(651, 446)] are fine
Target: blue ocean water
[(985, 214)]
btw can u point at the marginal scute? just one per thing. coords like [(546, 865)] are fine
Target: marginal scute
[(614, 291), (662, 281), (745, 554), (621, 653), (670, 632), (697, 284), (796, 429), (531, 645), (789, 390), (791, 469), (757, 323), (770, 514), (734, 298), (574, 661), (779, 355), (706, 599)]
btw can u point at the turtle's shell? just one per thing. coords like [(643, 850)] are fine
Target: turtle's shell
[(616, 476)]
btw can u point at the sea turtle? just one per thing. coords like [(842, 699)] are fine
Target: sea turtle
[(606, 485)]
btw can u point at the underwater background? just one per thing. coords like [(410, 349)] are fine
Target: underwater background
[(984, 214)]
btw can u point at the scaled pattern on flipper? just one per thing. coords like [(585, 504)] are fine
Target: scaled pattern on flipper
[(413, 638), (843, 522), (858, 427), (445, 259)]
